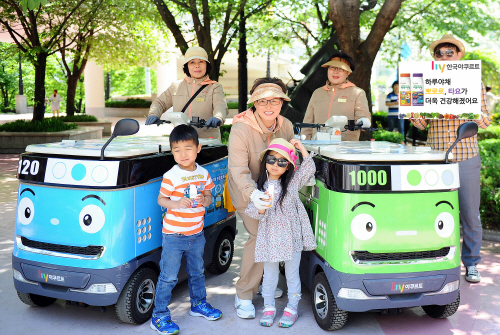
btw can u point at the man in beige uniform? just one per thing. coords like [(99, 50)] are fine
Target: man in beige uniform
[(209, 104), (338, 97)]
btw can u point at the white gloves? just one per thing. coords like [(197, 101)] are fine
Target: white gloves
[(257, 197), (364, 122)]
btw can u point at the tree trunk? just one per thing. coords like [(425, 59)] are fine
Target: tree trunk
[(242, 66), (72, 84), (39, 103), (361, 78)]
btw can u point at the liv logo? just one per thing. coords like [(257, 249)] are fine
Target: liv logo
[(46, 277), (401, 287), (439, 67)]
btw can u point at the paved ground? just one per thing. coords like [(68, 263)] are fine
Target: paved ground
[(478, 314)]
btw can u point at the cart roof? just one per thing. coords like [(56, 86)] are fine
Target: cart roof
[(373, 151), (127, 146)]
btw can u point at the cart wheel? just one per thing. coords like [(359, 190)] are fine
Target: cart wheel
[(135, 304), (222, 254), (35, 300), (328, 316), (442, 311)]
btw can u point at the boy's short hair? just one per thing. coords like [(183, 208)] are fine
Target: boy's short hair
[(488, 88), (395, 83), (183, 132)]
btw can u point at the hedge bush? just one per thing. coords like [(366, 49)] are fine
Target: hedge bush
[(129, 103), (389, 136), (488, 133), (47, 125), (78, 118), (380, 120), (224, 133), (490, 183), (232, 105)]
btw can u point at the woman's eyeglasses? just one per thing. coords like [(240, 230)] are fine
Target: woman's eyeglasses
[(440, 54), (335, 69), (282, 163), (264, 102)]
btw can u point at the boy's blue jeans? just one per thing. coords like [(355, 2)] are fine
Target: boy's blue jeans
[(174, 247)]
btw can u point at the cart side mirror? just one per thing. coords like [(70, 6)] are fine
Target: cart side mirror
[(465, 130), (124, 127)]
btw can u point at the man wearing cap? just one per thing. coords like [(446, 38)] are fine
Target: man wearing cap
[(338, 97), (442, 133), (209, 104)]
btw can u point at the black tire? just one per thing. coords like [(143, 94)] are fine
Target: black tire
[(223, 253), (136, 302), (442, 311), (35, 300), (328, 316)]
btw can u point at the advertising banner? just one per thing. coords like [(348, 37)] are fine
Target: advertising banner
[(437, 90)]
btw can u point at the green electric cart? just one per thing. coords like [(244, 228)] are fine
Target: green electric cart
[(386, 221)]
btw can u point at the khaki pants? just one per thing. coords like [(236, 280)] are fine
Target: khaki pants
[(250, 272)]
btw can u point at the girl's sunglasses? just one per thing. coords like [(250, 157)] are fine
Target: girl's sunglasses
[(282, 163), (440, 54)]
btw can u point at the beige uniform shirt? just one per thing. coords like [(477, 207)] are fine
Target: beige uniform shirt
[(245, 146), (209, 102), (345, 99)]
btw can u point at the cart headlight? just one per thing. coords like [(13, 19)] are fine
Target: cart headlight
[(99, 289), (448, 288), (18, 276), (356, 294)]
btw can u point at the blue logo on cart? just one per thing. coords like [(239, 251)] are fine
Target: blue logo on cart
[(46, 277), (401, 287)]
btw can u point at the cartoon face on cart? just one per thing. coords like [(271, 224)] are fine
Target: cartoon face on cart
[(373, 225), (75, 227)]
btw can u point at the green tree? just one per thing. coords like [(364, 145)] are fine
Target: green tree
[(8, 75), (41, 35), (213, 24), (97, 32)]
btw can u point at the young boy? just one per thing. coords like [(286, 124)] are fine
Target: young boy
[(183, 230)]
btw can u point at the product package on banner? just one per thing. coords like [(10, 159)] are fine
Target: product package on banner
[(440, 90)]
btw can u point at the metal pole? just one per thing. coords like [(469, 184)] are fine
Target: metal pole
[(268, 73), (108, 86), (21, 86)]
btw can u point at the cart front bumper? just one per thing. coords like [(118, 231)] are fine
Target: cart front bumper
[(93, 287), (361, 293)]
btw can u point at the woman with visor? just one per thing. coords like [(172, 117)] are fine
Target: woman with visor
[(251, 133), (338, 97)]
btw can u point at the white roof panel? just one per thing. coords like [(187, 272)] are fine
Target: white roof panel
[(373, 151), (127, 146)]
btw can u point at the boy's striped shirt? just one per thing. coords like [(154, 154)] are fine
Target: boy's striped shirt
[(175, 185)]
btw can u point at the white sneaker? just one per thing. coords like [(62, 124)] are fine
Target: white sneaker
[(277, 294), (244, 308), (472, 275)]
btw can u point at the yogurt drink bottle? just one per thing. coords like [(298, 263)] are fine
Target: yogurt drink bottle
[(417, 89), (405, 89), (193, 192)]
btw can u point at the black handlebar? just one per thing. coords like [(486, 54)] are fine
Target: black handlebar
[(195, 122), (350, 126)]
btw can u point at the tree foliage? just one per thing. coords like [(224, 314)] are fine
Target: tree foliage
[(214, 24)]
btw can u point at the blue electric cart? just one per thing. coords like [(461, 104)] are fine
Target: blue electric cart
[(89, 228)]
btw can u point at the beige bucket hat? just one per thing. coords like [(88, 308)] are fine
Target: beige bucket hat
[(283, 147), (267, 91), (195, 52), (447, 38)]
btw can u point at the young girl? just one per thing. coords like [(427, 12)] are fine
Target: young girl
[(284, 228)]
